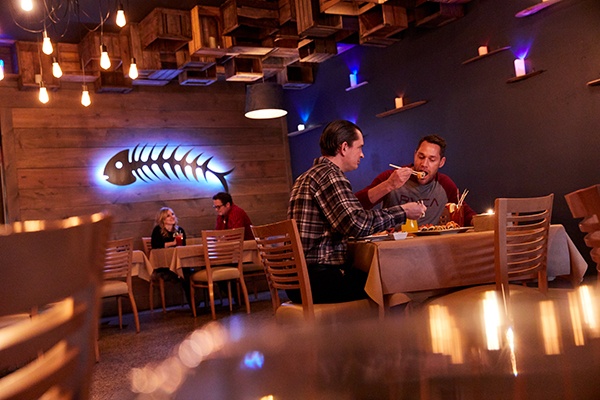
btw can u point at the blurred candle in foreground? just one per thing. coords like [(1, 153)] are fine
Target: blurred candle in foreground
[(1, 69), (483, 50), (520, 67), (399, 102)]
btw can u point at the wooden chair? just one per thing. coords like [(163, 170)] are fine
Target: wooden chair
[(522, 226), (223, 258), (117, 276), (281, 253), (585, 203), (56, 268), (147, 242)]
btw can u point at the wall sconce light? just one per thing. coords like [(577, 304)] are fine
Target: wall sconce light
[(264, 101), (353, 82), (121, 20), (133, 71), (1, 69), (520, 69)]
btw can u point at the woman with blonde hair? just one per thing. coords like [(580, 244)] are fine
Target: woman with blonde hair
[(166, 231)]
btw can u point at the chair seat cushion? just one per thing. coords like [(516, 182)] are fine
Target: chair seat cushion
[(218, 274), (113, 288), (289, 313)]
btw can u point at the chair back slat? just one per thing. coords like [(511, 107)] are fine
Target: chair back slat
[(223, 247), (117, 263), (521, 239), (147, 245), (585, 203), (54, 267)]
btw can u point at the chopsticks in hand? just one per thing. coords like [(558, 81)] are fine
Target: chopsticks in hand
[(418, 174)]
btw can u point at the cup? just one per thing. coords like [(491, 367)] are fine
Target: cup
[(411, 225), (179, 240)]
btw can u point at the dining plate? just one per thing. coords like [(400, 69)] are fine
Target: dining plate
[(443, 232)]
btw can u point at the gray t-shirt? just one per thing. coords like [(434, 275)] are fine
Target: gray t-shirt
[(432, 194)]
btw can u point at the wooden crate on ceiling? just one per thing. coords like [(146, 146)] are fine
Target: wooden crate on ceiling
[(147, 61), (89, 49), (69, 60), (382, 21), (207, 27), (187, 60), (113, 82), (246, 47), (166, 30), (254, 19), (287, 11), (429, 14), (312, 23), (243, 69), (198, 77), (317, 50), (347, 7), (8, 54), (34, 66), (297, 76)]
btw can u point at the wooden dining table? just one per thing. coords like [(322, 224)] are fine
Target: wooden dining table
[(405, 268), (177, 258)]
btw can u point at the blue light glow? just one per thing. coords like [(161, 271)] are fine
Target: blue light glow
[(254, 360)]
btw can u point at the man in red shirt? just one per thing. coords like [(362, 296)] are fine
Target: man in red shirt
[(230, 216)]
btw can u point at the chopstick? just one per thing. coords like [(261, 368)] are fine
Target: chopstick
[(461, 199), (418, 174)]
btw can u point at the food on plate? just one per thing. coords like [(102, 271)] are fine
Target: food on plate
[(430, 227)]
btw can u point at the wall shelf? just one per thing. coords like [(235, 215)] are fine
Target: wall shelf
[(400, 109), (595, 82), (535, 8), (349, 88), (470, 60), (307, 129), (526, 76)]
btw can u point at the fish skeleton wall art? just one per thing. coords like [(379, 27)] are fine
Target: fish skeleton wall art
[(127, 166)]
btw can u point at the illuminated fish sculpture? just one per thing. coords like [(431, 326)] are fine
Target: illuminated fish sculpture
[(123, 170)]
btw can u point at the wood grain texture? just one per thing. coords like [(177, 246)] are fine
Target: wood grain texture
[(53, 156)]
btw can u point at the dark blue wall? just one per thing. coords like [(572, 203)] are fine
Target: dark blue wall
[(528, 138)]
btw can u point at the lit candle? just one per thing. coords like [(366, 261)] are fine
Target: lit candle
[(352, 80), (399, 102), (212, 42), (301, 127), (483, 50), (520, 67)]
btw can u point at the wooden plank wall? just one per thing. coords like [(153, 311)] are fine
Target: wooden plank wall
[(52, 155)]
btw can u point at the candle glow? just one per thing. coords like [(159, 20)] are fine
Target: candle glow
[(520, 67)]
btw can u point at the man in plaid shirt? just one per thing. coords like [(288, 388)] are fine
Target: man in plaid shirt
[(327, 212)]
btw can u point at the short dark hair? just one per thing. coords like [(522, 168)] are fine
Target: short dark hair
[(336, 133), (224, 197), (434, 139)]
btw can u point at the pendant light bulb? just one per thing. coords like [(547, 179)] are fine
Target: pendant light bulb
[(27, 5), (56, 70), (1, 69), (43, 94), (85, 96), (47, 44), (104, 59), (133, 71), (121, 20)]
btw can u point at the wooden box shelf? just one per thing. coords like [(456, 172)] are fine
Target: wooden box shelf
[(400, 109), (312, 23), (198, 77), (206, 32), (526, 76), (297, 76), (113, 82), (32, 62), (382, 21), (243, 69), (317, 50), (491, 53), (346, 7), (165, 30), (89, 49), (255, 19), (432, 15), (187, 60)]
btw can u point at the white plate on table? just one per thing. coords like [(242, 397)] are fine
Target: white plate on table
[(389, 236), (443, 231)]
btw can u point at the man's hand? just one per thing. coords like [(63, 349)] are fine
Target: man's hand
[(396, 180), (414, 210)]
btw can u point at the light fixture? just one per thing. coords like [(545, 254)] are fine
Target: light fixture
[(520, 69), (56, 70), (43, 96), (133, 71), (264, 101), (46, 43), (85, 96), (27, 5), (121, 20), (354, 82), (482, 50), (104, 59), (1, 69), (399, 102), (301, 127)]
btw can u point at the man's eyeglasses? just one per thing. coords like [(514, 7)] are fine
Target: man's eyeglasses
[(218, 207)]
